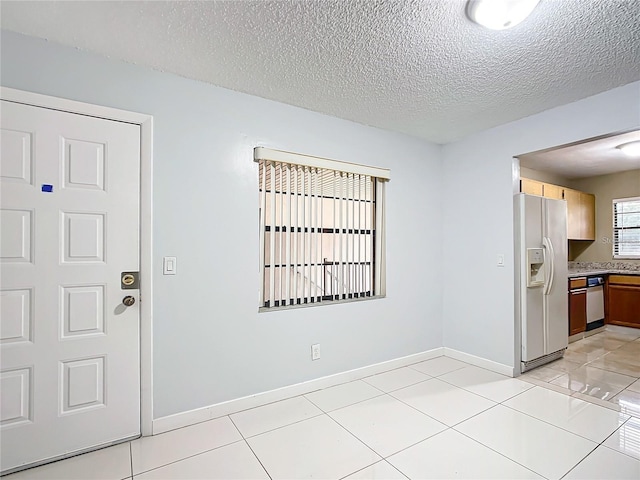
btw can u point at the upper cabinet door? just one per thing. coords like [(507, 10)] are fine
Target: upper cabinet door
[(553, 191), (574, 215), (531, 187)]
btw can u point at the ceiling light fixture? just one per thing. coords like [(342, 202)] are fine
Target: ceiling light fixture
[(500, 14), (632, 149)]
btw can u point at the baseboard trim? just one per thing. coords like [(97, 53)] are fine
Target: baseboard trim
[(479, 361), (191, 417)]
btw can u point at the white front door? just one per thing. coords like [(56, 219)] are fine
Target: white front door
[(69, 352)]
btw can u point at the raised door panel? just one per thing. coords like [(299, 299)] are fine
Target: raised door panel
[(532, 187), (574, 214), (577, 311), (15, 156), (588, 216), (624, 305)]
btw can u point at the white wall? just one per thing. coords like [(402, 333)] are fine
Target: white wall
[(210, 344), (478, 184)]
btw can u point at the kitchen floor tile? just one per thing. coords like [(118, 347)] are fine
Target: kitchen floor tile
[(340, 396), (627, 438), (152, 452), (439, 366), (577, 416), (623, 333), (544, 373), (605, 342), (596, 401), (635, 386), (582, 357), (453, 455), (594, 381), (606, 463), (235, 461), (274, 415), (629, 402), (619, 362), (590, 349), (314, 448), (563, 365), (550, 386), (487, 384), (386, 425), (444, 402), (543, 448), (378, 471), (112, 463), (396, 379)]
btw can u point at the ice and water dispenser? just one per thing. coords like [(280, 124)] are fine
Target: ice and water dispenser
[(535, 267)]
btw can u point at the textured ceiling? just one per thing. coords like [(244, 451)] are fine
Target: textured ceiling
[(586, 159), (413, 66)]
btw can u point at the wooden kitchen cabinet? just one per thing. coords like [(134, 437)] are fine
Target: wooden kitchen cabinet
[(581, 215), (588, 216), (623, 300), (577, 305), (577, 311), (532, 187), (581, 207), (552, 191)]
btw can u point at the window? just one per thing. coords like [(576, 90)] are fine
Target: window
[(626, 228), (321, 229)]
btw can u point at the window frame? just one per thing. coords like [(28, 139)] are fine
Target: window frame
[(614, 240), (275, 170)]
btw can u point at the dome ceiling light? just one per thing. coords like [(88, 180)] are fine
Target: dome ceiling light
[(631, 149), (500, 14)]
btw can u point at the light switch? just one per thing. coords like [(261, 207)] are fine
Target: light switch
[(169, 265), (500, 260)]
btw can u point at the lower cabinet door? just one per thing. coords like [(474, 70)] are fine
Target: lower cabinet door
[(624, 305), (577, 311)]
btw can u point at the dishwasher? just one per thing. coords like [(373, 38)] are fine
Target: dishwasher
[(595, 302)]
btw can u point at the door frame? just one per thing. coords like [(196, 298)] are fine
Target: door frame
[(146, 223)]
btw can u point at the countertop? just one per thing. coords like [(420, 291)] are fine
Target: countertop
[(586, 273)]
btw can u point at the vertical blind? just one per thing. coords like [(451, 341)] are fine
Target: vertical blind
[(321, 229), (626, 227)]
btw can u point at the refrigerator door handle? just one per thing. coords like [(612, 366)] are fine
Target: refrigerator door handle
[(553, 266), (548, 260)]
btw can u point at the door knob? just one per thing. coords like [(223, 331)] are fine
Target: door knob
[(128, 300)]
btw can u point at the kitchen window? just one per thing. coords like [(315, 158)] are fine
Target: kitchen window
[(321, 230), (626, 228)]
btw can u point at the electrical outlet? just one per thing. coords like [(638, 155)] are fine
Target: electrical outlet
[(315, 352)]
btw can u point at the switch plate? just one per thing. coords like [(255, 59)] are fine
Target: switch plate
[(501, 260), (169, 265), (315, 352)]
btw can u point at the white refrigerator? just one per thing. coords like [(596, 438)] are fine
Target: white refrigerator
[(542, 302)]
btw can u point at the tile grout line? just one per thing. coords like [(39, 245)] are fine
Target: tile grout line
[(562, 428), (492, 449), (190, 456), (247, 437), (249, 446)]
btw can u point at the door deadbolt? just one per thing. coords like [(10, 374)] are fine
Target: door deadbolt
[(129, 280), (128, 300)]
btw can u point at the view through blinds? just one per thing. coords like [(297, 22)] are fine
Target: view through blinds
[(320, 234), (626, 227)]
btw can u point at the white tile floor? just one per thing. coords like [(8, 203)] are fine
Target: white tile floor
[(436, 419)]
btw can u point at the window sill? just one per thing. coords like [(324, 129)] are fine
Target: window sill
[(318, 304)]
